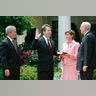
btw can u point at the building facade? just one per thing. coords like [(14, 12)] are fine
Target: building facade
[(60, 24)]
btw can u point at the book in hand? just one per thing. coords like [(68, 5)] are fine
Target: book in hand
[(61, 53)]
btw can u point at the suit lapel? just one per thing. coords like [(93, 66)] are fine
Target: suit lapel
[(87, 33), (51, 44), (44, 43), (85, 36), (10, 43)]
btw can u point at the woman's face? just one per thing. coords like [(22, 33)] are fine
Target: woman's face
[(68, 36)]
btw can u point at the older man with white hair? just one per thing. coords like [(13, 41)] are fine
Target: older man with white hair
[(9, 55), (87, 52)]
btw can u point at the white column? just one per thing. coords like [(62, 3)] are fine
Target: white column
[(64, 24)]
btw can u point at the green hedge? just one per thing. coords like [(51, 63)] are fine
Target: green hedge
[(30, 73), (94, 75), (1, 75), (57, 73)]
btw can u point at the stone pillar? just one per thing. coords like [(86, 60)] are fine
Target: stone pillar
[(64, 24)]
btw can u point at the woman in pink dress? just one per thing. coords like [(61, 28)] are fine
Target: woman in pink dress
[(69, 60)]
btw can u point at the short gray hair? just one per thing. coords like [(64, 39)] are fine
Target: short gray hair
[(9, 29), (87, 24)]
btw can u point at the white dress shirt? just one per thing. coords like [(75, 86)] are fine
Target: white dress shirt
[(10, 39), (86, 33), (47, 40)]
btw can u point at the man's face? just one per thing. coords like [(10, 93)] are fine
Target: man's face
[(13, 34), (48, 32), (83, 29)]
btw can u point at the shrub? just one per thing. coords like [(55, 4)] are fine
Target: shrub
[(33, 59), (30, 73), (21, 22), (27, 55), (24, 56), (57, 73), (56, 63), (2, 36), (94, 74), (1, 74)]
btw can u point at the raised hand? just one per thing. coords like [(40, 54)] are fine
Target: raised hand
[(37, 34)]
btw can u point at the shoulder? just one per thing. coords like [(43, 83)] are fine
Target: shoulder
[(64, 44), (90, 36), (5, 41), (77, 43), (51, 40), (41, 39)]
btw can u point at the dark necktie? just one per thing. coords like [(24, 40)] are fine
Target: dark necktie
[(14, 44), (48, 44)]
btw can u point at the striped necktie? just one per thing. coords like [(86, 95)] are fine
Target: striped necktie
[(14, 44), (48, 44)]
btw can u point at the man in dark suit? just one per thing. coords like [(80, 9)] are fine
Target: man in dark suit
[(9, 55), (87, 53), (46, 49)]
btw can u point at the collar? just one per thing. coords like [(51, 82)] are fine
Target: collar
[(86, 33), (9, 38), (45, 38), (71, 41)]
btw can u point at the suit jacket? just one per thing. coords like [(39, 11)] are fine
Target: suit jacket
[(87, 52), (45, 56), (9, 57)]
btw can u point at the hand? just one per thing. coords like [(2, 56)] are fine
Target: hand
[(37, 34), (7, 73), (85, 68), (62, 57), (21, 69), (68, 55), (78, 72)]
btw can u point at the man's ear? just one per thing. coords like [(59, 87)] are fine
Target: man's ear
[(43, 32)]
